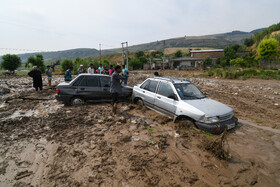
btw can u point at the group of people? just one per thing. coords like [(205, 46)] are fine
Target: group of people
[(100, 70)]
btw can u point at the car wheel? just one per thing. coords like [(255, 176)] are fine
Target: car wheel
[(186, 123), (140, 102), (77, 101)]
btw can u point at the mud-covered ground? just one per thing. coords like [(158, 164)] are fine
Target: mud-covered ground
[(44, 143)]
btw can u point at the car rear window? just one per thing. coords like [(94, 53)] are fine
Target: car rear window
[(91, 81), (152, 86), (78, 80), (145, 84)]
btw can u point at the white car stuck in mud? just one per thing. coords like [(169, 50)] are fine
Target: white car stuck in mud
[(180, 99)]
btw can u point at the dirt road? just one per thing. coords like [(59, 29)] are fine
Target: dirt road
[(44, 143)]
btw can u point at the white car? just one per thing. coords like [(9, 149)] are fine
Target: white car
[(180, 99)]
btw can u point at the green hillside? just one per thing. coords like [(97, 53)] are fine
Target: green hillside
[(208, 41)]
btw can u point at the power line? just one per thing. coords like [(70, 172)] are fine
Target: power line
[(17, 49)]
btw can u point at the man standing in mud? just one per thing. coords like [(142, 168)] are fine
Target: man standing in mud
[(49, 76), (68, 76), (37, 78), (125, 73), (116, 87)]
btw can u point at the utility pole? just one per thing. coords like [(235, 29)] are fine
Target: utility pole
[(127, 55), (122, 53), (125, 52), (100, 53)]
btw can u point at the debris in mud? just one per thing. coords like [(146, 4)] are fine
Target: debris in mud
[(216, 146), (3, 167), (86, 146), (23, 174), (4, 91)]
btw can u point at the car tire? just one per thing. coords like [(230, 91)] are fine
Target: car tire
[(186, 123), (76, 100), (139, 102)]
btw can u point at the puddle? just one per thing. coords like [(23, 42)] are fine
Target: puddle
[(28, 162), (41, 110), (259, 126)]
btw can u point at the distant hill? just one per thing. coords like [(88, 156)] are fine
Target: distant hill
[(67, 54), (207, 41)]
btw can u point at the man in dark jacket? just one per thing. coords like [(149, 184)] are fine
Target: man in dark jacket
[(68, 76), (37, 78), (116, 87)]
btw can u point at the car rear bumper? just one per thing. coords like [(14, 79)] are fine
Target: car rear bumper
[(64, 98), (218, 128)]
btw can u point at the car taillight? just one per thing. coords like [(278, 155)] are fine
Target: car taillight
[(57, 91)]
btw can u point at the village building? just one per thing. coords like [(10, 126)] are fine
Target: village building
[(213, 53)]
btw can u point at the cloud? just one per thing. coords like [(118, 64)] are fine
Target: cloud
[(65, 24)]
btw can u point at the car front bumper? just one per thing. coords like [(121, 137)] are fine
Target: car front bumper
[(218, 128)]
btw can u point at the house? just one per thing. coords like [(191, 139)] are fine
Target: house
[(186, 62), (213, 53)]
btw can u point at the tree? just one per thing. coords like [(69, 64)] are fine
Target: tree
[(65, 64), (238, 62), (135, 63), (10, 62), (143, 59), (77, 62), (268, 49), (207, 62), (106, 62), (37, 61), (249, 42), (156, 54), (178, 54), (139, 54)]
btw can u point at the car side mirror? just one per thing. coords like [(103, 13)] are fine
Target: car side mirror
[(173, 96)]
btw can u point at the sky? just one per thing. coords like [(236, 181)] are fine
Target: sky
[(51, 25)]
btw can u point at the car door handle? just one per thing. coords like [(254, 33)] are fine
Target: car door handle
[(159, 97), (143, 91), (105, 89), (82, 88)]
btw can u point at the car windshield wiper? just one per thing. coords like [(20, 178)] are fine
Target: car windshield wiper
[(193, 97)]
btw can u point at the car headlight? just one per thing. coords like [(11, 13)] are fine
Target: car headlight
[(209, 120)]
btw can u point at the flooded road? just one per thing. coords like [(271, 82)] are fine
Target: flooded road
[(44, 143)]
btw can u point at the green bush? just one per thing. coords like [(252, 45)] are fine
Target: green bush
[(250, 72), (229, 74), (135, 63), (268, 49), (65, 64), (209, 73), (219, 73)]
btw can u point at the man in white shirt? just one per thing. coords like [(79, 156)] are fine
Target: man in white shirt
[(91, 69)]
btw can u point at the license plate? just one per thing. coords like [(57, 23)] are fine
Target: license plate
[(230, 126)]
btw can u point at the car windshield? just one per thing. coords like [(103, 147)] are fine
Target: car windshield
[(188, 91)]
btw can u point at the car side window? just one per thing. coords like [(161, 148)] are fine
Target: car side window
[(105, 81), (165, 89), (152, 86), (145, 84), (91, 81), (77, 82)]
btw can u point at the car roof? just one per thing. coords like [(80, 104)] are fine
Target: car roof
[(173, 80), (90, 74)]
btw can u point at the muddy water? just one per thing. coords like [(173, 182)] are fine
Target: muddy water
[(43, 143)]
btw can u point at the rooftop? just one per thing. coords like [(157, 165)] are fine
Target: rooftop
[(205, 51)]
